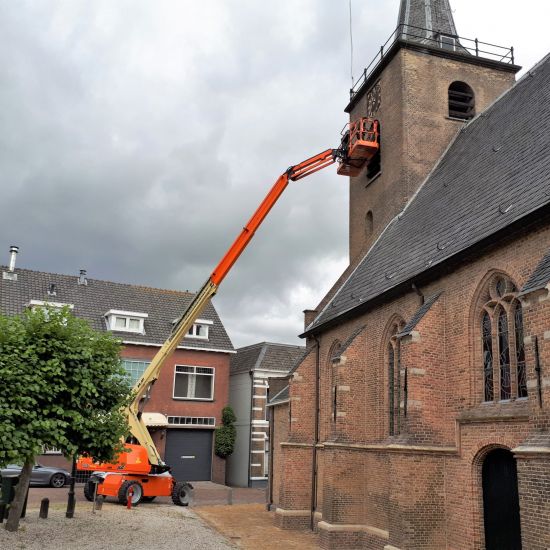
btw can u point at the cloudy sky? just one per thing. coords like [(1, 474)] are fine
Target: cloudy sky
[(138, 136)]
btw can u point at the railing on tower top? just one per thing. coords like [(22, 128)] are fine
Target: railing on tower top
[(434, 39)]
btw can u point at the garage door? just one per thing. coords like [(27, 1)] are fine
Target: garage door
[(189, 453)]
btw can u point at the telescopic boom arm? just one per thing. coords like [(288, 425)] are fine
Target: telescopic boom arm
[(138, 428)]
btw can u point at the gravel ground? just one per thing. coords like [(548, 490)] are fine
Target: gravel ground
[(114, 527)]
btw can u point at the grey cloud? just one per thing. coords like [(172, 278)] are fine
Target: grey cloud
[(137, 138)]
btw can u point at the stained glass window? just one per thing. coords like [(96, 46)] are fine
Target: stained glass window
[(487, 358), (520, 352), (391, 378), (504, 356)]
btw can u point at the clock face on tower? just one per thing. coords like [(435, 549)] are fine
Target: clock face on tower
[(373, 100)]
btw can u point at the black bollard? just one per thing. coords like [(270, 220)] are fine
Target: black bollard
[(3, 508), (71, 500), (44, 507)]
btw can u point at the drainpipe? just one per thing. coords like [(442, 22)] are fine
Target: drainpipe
[(250, 428), (316, 432), (271, 451)]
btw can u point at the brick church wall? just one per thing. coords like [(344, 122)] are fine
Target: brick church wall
[(422, 487)]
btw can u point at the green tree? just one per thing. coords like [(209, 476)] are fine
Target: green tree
[(226, 434), (62, 386)]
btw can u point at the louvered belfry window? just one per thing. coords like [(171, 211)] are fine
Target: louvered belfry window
[(461, 101), (502, 345)]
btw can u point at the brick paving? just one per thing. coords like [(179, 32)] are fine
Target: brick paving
[(251, 526)]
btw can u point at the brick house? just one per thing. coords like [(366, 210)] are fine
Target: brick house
[(420, 417), (193, 387), (253, 370)]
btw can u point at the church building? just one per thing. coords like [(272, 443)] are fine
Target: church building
[(419, 416)]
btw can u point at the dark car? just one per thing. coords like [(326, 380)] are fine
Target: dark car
[(41, 475)]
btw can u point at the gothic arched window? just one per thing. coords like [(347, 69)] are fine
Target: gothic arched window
[(462, 103), (503, 351), (487, 358), (504, 356), (520, 351), (332, 355), (395, 384)]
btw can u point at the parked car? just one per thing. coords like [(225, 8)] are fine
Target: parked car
[(41, 475)]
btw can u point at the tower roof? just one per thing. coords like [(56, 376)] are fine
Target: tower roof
[(421, 20)]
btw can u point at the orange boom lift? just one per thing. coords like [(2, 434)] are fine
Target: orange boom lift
[(140, 473)]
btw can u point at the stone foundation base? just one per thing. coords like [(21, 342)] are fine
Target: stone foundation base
[(334, 536), (299, 520)]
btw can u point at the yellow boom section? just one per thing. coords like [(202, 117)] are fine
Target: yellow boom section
[(137, 427)]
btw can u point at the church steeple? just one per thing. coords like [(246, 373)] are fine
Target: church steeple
[(424, 20), (421, 88)]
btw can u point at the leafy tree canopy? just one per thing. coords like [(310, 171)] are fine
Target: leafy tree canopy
[(62, 385)]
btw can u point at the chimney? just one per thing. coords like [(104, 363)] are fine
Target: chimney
[(13, 255), (82, 278), (10, 274)]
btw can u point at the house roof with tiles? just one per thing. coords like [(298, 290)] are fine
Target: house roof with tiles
[(92, 301), (495, 175), (266, 356)]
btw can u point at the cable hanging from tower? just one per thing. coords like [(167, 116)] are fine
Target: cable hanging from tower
[(351, 44)]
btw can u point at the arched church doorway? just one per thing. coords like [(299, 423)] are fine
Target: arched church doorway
[(501, 501)]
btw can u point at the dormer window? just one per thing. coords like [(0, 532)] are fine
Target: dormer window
[(199, 329), (126, 321), (33, 304)]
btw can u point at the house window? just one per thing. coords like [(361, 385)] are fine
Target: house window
[(126, 321), (192, 420), (135, 369), (199, 329), (193, 383), (503, 351), (46, 450), (461, 101)]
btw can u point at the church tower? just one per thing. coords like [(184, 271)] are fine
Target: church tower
[(422, 87)]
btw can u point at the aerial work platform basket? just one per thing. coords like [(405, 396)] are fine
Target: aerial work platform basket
[(361, 142)]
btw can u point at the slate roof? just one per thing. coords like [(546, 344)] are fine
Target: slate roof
[(540, 277), (280, 397), (266, 355), (93, 300), (433, 15), (495, 173), (420, 312)]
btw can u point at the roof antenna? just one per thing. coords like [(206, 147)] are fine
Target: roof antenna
[(351, 45)]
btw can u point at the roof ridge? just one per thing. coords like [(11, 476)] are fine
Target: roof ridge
[(265, 343), (137, 286)]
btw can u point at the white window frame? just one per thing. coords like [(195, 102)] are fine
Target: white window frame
[(192, 421), (450, 46), (113, 314), (128, 360), (50, 450), (195, 367), (203, 324)]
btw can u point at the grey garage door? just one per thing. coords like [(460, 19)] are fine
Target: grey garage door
[(189, 454)]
